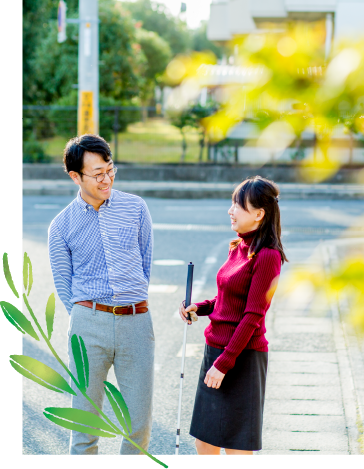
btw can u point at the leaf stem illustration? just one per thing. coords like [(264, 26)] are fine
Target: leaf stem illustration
[(64, 366), (73, 419)]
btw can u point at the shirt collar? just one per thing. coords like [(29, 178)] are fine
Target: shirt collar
[(248, 237), (85, 206)]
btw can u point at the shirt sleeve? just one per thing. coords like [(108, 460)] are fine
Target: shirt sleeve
[(204, 308), (145, 239), (61, 265), (264, 282)]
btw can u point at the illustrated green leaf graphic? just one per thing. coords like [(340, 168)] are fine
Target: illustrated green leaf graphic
[(27, 273), (117, 411), (18, 319), (153, 458), (77, 419), (85, 361), (50, 310), (40, 373), (120, 401), (76, 350), (8, 275)]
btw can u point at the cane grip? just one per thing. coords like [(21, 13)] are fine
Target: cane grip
[(189, 287)]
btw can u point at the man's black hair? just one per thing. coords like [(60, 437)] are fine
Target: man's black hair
[(76, 147)]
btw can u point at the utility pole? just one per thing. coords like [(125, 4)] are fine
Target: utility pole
[(88, 68)]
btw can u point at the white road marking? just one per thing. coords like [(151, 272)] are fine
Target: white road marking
[(168, 262), (190, 227), (204, 208), (210, 260), (163, 288), (46, 206)]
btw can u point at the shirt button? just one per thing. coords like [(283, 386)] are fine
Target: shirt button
[(107, 252)]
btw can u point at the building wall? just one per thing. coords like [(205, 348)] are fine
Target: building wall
[(231, 17), (218, 28), (349, 20), (239, 16)]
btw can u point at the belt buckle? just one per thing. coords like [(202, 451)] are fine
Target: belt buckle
[(116, 314)]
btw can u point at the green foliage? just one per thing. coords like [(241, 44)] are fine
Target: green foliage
[(40, 373), (72, 419), (119, 61), (81, 361), (27, 273), (54, 66), (157, 54), (199, 111), (50, 311), (119, 406), (36, 17), (65, 121), (156, 51), (201, 43), (155, 17), (17, 319), (8, 276), (34, 152), (77, 419), (182, 120)]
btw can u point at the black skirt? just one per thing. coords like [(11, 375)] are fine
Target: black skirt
[(232, 416)]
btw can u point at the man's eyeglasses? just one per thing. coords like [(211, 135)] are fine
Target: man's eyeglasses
[(100, 177)]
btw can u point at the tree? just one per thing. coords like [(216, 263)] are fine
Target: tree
[(201, 43), (293, 88), (65, 121), (54, 65), (157, 54), (199, 112), (155, 17), (39, 18), (182, 120)]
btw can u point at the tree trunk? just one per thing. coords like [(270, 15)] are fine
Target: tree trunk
[(184, 147), (202, 146)]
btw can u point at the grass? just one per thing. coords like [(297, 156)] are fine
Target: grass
[(153, 141)]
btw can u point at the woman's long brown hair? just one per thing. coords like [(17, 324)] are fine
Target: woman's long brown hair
[(261, 193)]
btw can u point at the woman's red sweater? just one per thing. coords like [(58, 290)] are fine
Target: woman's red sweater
[(245, 290)]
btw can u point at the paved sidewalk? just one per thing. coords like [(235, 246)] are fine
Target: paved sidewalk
[(310, 401), (197, 190)]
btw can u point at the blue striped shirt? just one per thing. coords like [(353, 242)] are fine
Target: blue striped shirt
[(104, 255)]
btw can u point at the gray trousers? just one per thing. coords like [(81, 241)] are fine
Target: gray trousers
[(127, 342)]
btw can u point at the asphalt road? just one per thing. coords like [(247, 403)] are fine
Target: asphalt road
[(185, 230)]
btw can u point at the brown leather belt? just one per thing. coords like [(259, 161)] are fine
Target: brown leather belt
[(141, 307)]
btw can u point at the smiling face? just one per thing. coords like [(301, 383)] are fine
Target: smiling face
[(93, 192), (243, 221)]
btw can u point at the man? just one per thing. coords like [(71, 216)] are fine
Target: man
[(100, 249)]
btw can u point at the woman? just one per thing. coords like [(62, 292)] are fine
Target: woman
[(228, 411)]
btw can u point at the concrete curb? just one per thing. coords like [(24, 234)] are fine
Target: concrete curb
[(346, 370), (198, 190), (204, 172)]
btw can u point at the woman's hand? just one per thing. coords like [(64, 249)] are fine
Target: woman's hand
[(183, 312), (214, 378)]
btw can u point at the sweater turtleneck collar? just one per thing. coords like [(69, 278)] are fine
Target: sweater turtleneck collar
[(247, 237)]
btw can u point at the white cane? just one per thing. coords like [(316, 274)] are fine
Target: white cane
[(187, 303)]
